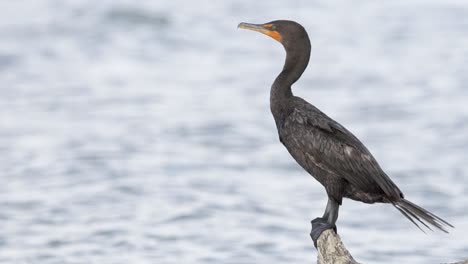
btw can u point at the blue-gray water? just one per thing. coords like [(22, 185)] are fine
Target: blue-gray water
[(140, 131)]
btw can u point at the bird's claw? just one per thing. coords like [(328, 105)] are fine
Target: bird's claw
[(318, 226)]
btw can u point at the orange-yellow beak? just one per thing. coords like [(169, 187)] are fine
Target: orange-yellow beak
[(264, 28)]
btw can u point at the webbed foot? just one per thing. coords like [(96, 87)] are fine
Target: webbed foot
[(318, 226)]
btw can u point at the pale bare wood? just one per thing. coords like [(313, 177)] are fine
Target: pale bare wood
[(331, 250)]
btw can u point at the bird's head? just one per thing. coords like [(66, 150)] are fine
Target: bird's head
[(288, 33)]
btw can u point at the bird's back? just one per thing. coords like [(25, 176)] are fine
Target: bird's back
[(333, 155)]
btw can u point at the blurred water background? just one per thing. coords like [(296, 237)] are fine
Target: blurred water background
[(140, 131)]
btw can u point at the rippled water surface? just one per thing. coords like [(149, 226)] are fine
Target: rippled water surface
[(140, 131)]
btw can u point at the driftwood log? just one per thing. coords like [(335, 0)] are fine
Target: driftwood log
[(331, 250)]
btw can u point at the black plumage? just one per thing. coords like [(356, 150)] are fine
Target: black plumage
[(323, 147)]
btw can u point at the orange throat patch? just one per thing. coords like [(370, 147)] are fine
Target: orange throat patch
[(274, 34)]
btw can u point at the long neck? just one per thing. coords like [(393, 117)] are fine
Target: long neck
[(296, 62)]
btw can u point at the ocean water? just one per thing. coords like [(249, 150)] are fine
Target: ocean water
[(140, 131)]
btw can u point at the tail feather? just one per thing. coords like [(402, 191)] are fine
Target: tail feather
[(408, 217), (416, 213)]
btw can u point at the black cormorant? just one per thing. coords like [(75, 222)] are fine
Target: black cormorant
[(323, 147)]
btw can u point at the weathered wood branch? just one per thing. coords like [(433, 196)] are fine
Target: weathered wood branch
[(331, 250)]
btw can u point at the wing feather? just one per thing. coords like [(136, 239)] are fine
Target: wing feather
[(336, 149)]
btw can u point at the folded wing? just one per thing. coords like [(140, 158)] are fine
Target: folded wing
[(336, 149)]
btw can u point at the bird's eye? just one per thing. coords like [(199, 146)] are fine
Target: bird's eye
[(273, 27)]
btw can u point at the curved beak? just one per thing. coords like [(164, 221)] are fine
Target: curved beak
[(262, 28), (254, 27)]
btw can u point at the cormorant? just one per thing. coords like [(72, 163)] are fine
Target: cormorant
[(323, 147)]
